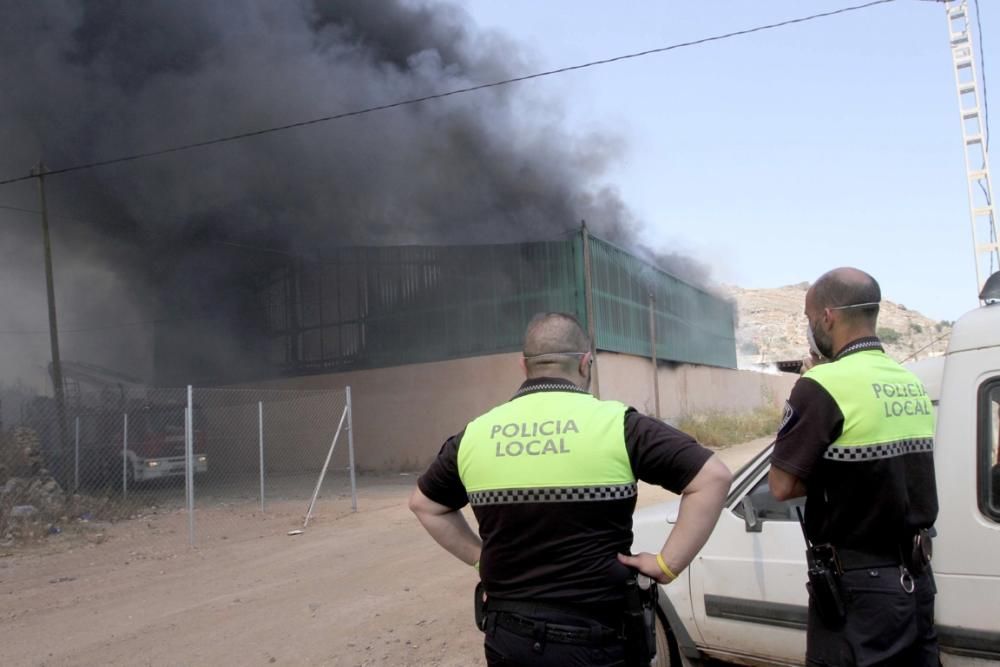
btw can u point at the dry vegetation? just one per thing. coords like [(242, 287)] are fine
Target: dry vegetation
[(720, 429)]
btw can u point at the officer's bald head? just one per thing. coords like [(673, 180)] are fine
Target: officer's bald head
[(554, 342), (851, 292)]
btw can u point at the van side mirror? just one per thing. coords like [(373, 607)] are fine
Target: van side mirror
[(750, 519)]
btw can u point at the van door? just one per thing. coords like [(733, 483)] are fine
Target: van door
[(966, 565), (748, 582)]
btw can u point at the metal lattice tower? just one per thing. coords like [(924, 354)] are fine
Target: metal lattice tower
[(975, 141)]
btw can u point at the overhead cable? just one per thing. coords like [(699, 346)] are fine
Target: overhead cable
[(435, 96)]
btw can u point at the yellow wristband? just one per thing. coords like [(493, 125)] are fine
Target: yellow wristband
[(476, 565), (664, 568)]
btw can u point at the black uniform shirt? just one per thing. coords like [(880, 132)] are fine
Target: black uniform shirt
[(874, 505), (565, 552)]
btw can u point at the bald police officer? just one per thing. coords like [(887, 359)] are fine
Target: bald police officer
[(857, 440), (552, 479)]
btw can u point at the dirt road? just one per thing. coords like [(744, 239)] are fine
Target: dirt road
[(366, 588)]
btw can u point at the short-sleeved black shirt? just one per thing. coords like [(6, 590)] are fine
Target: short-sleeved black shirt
[(566, 552), (873, 506)]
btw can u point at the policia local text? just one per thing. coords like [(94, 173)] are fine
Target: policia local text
[(535, 447), (910, 399)]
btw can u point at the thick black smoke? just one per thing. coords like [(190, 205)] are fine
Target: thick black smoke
[(87, 80)]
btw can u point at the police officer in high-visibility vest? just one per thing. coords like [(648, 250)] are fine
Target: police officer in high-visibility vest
[(552, 479), (857, 441)]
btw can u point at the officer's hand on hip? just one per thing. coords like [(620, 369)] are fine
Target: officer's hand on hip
[(651, 565)]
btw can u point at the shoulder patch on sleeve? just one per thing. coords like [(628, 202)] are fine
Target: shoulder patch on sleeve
[(788, 417)]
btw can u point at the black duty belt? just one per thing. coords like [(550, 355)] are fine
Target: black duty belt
[(555, 632), (860, 560), (609, 614)]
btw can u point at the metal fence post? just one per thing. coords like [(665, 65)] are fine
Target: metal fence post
[(588, 292), (653, 353), (326, 464), (189, 463), (76, 457), (125, 457), (350, 450), (260, 440)]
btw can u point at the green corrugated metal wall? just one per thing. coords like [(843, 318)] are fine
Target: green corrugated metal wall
[(478, 301), (692, 325), (373, 307)]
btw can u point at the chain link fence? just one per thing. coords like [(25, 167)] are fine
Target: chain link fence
[(217, 457), (261, 448)]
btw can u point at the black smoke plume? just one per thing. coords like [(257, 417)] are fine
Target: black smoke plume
[(182, 233)]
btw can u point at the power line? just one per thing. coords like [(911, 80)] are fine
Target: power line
[(558, 236), (120, 325), (109, 327), (25, 210), (457, 91), (34, 211), (936, 340), (986, 121), (152, 322), (982, 73), (232, 244)]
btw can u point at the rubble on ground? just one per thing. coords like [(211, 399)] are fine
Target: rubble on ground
[(31, 508), (32, 503)]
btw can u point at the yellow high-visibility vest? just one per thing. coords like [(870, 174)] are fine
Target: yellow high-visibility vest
[(543, 446)]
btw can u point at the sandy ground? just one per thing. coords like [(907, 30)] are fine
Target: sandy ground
[(365, 588)]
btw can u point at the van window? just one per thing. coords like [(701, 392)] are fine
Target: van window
[(989, 449), (768, 507)]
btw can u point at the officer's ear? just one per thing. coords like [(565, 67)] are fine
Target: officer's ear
[(830, 317), (586, 361), (523, 363)]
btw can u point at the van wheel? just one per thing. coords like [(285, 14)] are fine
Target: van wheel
[(668, 652)]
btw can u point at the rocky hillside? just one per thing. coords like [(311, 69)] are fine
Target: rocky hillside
[(772, 327)]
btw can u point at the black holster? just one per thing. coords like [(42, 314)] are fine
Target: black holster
[(921, 552), (824, 584), (480, 606), (640, 621)]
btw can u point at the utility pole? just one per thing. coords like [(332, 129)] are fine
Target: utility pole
[(652, 353), (57, 379), (588, 291)]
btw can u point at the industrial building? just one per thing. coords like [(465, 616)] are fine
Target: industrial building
[(428, 336)]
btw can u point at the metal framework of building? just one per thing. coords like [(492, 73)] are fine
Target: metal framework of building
[(369, 307)]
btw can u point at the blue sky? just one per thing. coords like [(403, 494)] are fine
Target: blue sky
[(775, 156)]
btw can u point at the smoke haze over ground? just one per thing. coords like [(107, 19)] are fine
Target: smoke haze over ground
[(86, 81)]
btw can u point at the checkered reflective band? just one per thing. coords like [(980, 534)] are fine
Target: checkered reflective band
[(881, 450), (554, 495), (867, 344), (549, 387)]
